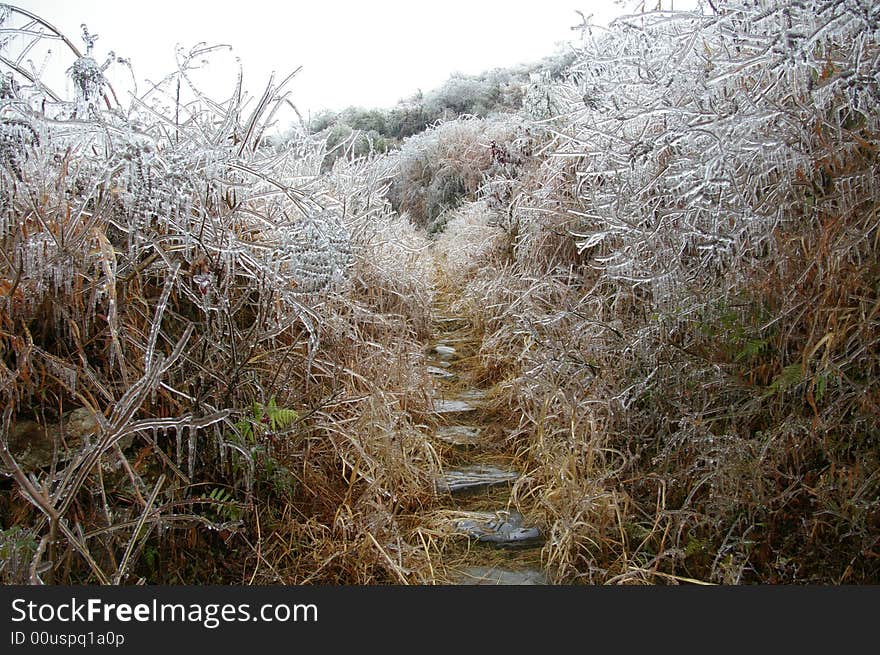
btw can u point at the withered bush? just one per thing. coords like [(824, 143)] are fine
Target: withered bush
[(688, 327), (452, 162), (236, 325)]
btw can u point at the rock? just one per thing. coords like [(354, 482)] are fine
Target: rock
[(493, 575), (478, 476), (34, 447), (463, 402), (444, 352), (474, 395), (452, 406), (458, 435), (443, 374), (81, 422), (451, 321), (503, 529)]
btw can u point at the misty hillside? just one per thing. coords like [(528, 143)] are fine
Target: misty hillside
[(612, 317)]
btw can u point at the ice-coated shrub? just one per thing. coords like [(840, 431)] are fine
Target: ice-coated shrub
[(696, 142), (174, 272), (695, 259), (471, 238), (455, 161)]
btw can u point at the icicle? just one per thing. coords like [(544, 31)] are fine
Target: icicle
[(71, 379), (178, 435), (249, 479), (221, 449), (191, 461)]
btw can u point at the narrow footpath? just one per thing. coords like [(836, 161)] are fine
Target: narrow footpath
[(484, 539)]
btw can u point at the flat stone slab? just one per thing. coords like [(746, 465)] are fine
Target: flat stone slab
[(504, 529), (445, 352), (492, 575), (449, 319), (458, 435), (472, 395), (441, 373), (477, 476), (453, 406)]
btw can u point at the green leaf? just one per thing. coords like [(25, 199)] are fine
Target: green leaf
[(280, 417), (821, 385), (790, 376), (752, 348)]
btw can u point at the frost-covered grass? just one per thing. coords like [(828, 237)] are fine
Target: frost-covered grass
[(452, 162), (688, 325), (671, 250), (246, 321)]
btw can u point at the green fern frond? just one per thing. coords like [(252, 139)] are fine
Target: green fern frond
[(790, 376), (228, 508), (245, 430), (279, 417), (752, 348)]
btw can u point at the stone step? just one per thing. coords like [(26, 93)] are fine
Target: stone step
[(441, 373), (454, 342), (458, 435), (445, 406), (473, 395), (503, 529), (494, 575), (445, 319), (473, 477), (444, 352)]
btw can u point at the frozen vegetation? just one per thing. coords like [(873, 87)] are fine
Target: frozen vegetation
[(665, 241)]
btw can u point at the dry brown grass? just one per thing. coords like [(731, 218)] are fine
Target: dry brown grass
[(677, 328), (691, 417), (250, 323)]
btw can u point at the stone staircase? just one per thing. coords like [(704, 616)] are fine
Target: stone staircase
[(501, 547)]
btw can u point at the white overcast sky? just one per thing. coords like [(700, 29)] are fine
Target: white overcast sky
[(370, 53)]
